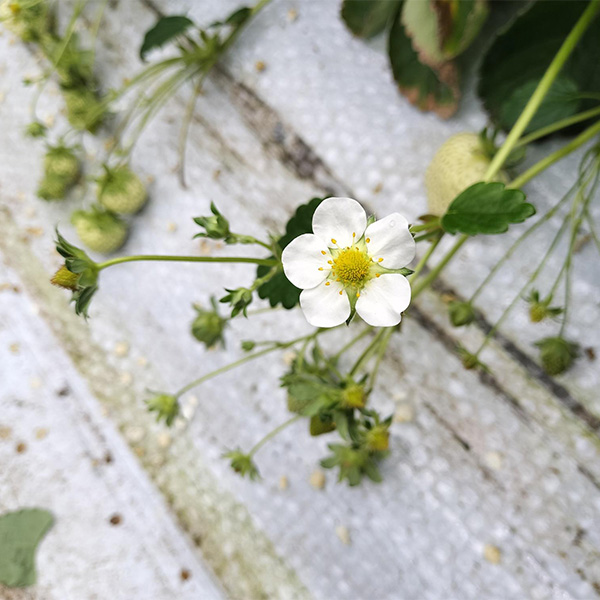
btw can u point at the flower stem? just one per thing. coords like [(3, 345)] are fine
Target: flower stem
[(272, 434), (268, 262), (241, 361), (385, 339), (421, 264), (543, 88), (543, 164), (367, 352), (351, 343), (417, 289), (562, 124)]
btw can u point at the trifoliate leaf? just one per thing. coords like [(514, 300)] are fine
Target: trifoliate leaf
[(166, 29), (367, 18), (486, 208), (519, 56), (278, 290), (20, 534), (428, 88)]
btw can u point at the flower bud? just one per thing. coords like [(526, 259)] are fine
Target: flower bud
[(461, 313), (239, 300), (557, 354), (208, 326), (166, 407), (354, 396), (541, 309), (66, 279), (378, 438), (35, 129), (242, 464), (216, 226)]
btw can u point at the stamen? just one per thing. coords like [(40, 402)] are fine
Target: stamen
[(353, 234), (328, 283), (368, 240), (341, 292), (323, 252), (330, 262), (377, 274), (358, 294), (380, 260), (333, 241), (320, 268)]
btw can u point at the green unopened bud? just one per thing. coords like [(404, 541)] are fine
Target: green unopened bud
[(319, 427), (208, 326), (239, 300), (557, 354), (378, 438), (166, 407), (461, 313), (541, 309), (66, 279), (248, 345), (216, 226), (354, 396), (36, 129), (242, 463)]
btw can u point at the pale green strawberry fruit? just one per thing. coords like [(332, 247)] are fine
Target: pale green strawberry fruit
[(121, 191), (460, 162), (61, 172), (84, 109), (100, 230)]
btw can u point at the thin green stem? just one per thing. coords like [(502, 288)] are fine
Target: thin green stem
[(366, 353), (421, 264), (543, 164), (351, 343), (268, 262), (425, 281), (543, 88), (558, 125), (385, 339), (592, 226), (272, 434), (241, 361), (185, 127)]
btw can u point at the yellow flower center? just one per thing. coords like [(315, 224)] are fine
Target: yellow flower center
[(351, 267)]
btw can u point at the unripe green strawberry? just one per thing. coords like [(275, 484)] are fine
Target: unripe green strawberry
[(100, 230), (52, 188), (121, 191), (61, 162), (460, 162), (557, 354), (84, 109), (61, 171)]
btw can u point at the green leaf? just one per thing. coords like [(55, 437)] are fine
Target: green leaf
[(486, 208), (278, 290), (367, 18), (560, 103), (521, 53), (164, 31), (20, 534), (428, 88)]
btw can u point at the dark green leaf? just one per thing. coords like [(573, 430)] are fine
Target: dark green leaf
[(20, 534), (486, 208), (425, 87), (521, 53), (278, 289), (164, 31), (367, 18)]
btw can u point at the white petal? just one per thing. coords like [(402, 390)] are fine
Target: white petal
[(302, 258), (391, 240), (383, 299), (337, 219), (324, 306)]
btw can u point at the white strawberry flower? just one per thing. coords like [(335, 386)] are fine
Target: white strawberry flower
[(347, 264)]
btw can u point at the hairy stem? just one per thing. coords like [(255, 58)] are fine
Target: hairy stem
[(268, 262)]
